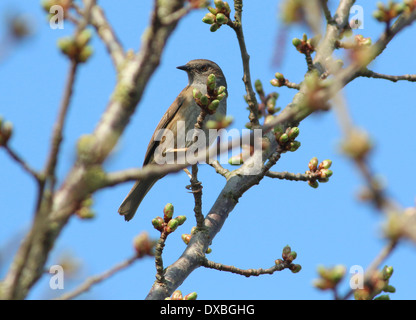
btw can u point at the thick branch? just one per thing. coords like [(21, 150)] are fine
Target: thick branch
[(92, 151)]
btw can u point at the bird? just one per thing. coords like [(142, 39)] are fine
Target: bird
[(184, 108)]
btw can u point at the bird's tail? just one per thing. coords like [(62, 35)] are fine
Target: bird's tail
[(130, 204)]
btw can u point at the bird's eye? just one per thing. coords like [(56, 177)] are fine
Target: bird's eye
[(204, 68)]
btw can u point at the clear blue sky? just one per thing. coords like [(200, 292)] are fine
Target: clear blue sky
[(325, 226)]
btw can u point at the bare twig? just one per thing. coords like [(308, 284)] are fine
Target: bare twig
[(245, 272), (291, 176), (97, 279), (219, 168), (371, 74), (107, 35), (238, 28), (160, 245), (327, 12), (22, 163), (57, 136), (196, 185)]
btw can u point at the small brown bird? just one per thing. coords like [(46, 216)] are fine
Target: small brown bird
[(184, 108)]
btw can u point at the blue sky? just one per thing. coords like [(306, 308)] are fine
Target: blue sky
[(324, 226)]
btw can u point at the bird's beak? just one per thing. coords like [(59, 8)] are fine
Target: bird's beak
[(184, 68)]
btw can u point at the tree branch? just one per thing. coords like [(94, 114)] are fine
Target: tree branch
[(22, 163), (93, 149), (107, 35), (97, 279), (371, 74), (245, 272)]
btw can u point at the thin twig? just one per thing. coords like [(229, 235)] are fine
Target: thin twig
[(22, 163), (219, 168), (59, 125), (291, 176), (327, 12), (97, 279), (371, 74), (245, 272), (196, 185), (177, 15), (107, 35), (238, 28), (160, 245)]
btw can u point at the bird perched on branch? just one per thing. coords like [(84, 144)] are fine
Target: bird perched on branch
[(206, 90)]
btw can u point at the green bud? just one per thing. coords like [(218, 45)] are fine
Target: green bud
[(143, 245), (271, 103), (387, 272), (227, 8), (389, 288), (313, 183), (326, 173), (283, 138), (259, 87), (186, 238), (172, 225), (209, 18), (83, 38), (181, 219), (279, 76), (67, 46), (196, 93), (177, 295), (214, 27), (168, 211), (219, 4), (221, 96), (326, 164), (337, 273), (212, 10), (293, 133), (221, 90), (204, 100), (236, 160), (275, 83), (209, 250), (295, 268), (294, 145), (213, 106), (211, 82), (191, 296), (221, 18), (296, 42), (278, 261), (292, 256), (285, 252), (313, 164), (379, 15), (85, 53), (157, 223)]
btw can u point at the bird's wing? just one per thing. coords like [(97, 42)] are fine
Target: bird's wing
[(167, 117)]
